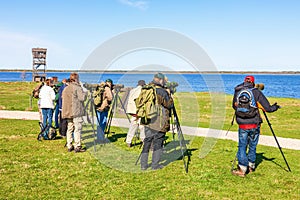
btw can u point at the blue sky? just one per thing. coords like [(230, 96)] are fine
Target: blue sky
[(256, 35)]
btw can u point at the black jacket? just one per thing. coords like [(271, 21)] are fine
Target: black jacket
[(162, 122), (260, 99)]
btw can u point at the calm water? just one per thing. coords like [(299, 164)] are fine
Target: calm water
[(275, 85)]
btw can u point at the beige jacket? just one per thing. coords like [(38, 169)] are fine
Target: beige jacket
[(106, 100), (133, 94), (73, 98)]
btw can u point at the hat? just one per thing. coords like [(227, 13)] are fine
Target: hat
[(249, 79), (159, 75), (141, 82), (109, 80)]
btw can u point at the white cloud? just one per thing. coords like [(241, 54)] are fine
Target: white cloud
[(142, 5)]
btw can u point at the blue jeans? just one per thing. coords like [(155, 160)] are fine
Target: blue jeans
[(247, 138), (101, 124), (47, 120)]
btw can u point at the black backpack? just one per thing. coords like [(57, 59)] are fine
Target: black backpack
[(246, 105)]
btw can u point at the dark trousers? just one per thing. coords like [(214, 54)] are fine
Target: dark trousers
[(156, 138), (63, 125)]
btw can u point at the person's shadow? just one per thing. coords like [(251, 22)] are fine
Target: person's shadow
[(260, 158)]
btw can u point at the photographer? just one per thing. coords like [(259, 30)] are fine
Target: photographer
[(73, 97), (249, 122), (47, 96), (156, 130), (103, 108), (131, 110)]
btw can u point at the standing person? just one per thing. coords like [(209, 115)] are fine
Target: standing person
[(73, 97), (249, 121), (56, 108), (131, 110), (156, 130), (63, 124), (103, 108), (47, 97)]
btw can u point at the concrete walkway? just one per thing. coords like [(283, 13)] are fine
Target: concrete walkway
[(287, 143)]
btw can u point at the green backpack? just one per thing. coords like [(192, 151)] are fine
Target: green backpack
[(98, 94), (147, 104)]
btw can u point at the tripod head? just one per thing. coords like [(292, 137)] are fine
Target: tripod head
[(117, 87)]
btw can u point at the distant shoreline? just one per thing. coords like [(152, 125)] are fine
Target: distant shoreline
[(167, 72)]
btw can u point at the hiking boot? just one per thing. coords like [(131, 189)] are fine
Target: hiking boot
[(143, 168), (71, 148), (238, 172), (158, 167), (79, 149)]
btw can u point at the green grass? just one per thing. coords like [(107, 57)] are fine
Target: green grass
[(17, 96), (45, 170), (200, 109)]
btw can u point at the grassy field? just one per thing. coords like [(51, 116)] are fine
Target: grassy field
[(45, 170), (194, 109)]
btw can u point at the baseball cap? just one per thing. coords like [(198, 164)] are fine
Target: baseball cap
[(249, 79), (159, 75), (109, 80)]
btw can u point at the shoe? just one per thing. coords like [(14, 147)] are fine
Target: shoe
[(39, 138), (238, 172), (71, 148), (158, 167), (250, 169), (79, 149), (129, 145), (143, 168)]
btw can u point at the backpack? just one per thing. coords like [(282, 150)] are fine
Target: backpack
[(147, 107), (246, 105), (98, 94), (52, 133)]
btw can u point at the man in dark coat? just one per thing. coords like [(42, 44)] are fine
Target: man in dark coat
[(249, 127), (155, 131)]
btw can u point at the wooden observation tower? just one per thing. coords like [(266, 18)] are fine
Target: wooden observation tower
[(39, 64)]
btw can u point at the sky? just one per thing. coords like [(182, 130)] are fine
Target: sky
[(237, 35)]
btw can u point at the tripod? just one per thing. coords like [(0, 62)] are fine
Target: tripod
[(276, 140), (270, 125), (90, 109), (183, 148), (113, 109)]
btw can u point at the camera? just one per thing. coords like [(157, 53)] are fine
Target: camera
[(118, 86), (90, 86), (171, 86), (260, 86)]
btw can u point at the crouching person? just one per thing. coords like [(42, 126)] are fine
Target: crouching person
[(73, 97)]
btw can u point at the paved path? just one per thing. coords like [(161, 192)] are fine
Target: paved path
[(287, 143)]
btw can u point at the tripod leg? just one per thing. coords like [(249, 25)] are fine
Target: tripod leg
[(276, 140), (136, 162), (183, 147), (123, 108), (110, 114), (233, 162)]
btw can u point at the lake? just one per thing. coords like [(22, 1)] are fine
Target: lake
[(276, 85)]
